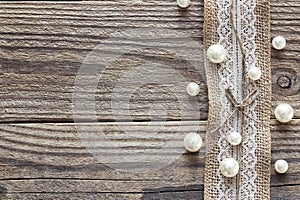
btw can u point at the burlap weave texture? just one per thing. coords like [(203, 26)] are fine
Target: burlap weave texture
[(262, 109)]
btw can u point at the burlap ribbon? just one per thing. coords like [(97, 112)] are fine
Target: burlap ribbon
[(217, 186)]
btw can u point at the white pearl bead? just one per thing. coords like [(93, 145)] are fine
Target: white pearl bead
[(183, 3), (229, 167), (279, 42), (234, 138), (216, 53), (193, 89), (254, 73), (192, 142), (281, 166), (284, 112)]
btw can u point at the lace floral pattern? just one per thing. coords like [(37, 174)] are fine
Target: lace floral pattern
[(226, 187), (248, 33), (231, 76)]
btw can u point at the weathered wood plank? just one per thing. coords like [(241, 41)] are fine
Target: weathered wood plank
[(48, 158), (285, 193), (73, 196), (290, 193), (43, 45)]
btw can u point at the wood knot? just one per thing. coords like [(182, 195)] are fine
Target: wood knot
[(284, 81)]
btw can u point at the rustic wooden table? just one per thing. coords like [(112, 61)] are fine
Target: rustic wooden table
[(43, 45)]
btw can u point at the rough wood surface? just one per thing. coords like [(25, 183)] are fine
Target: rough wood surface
[(43, 45), (40, 159)]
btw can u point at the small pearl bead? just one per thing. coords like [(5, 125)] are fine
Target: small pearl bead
[(216, 53), (254, 73), (281, 166), (193, 89), (183, 3), (192, 142), (234, 138), (229, 167), (279, 42), (284, 112)]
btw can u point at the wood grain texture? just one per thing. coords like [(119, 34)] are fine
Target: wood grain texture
[(43, 45), (290, 192), (40, 159)]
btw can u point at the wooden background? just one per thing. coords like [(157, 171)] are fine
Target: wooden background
[(42, 46)]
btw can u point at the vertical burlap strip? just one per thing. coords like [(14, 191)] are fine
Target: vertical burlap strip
[(211, 37), (263, 140), (262, 109)]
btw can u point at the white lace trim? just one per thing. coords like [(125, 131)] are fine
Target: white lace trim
[(227, 188), (248, 34), (231, 73)]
